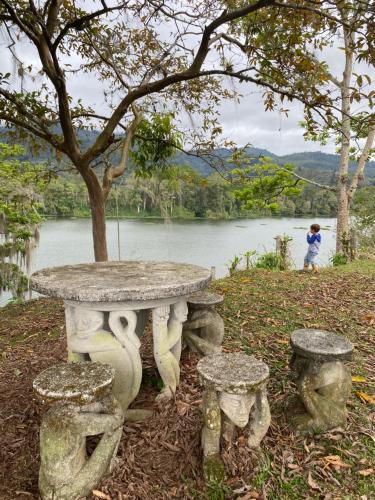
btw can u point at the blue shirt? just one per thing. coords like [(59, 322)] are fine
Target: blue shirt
[(314, 241)]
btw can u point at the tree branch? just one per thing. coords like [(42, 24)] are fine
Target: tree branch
[(299, 177), (112, 172), (358, 176), (80, 22), (190, 73)]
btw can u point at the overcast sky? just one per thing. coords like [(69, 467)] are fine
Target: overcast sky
[(244, 122)]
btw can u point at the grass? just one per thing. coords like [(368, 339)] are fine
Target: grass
[(261, 309)]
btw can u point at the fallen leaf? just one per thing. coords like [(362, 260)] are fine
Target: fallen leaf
[(369, 317), (313, 484), (100, 494), (335, 461), (366, 472), (358, 378), (282, 341), (365, 397), (293, 466)]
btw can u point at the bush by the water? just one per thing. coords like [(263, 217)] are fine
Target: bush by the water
[(269, 260)]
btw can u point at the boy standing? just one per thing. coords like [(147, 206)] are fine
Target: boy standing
[(313, 239)]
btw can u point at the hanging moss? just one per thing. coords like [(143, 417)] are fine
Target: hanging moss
[(21, 185)]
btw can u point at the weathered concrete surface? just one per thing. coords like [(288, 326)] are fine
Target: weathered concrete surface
[(78, 382), (204, 299), (234, 373), (82, 406), (235, 396), (320, 344), (203, 331), (167, 330), (323, 381), (119, 347), (120, 281)]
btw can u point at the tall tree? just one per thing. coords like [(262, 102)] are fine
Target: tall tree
[(348, 99), (355, 119), (144, 56)]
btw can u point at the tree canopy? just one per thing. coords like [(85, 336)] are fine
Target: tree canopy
[(159, 55)]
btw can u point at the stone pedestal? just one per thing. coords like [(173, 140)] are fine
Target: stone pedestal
[(203, 331), (81, 405), (234, 396), (323, 381)]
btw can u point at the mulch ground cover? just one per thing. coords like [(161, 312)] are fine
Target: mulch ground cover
[(161, 457)]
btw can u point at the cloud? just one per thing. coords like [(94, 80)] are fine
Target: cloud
[(244, 122)]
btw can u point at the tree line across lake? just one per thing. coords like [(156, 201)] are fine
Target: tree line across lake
[(179, 192)]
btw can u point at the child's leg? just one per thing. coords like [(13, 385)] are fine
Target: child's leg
[(306, 262), (315, 268)]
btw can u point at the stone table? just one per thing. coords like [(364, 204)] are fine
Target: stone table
[(107, 306)]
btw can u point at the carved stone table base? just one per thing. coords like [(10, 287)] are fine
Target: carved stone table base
[(323, 381), (82, 405), (234, 397), (110, 333)]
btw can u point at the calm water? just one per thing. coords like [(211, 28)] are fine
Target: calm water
[(207, 243)]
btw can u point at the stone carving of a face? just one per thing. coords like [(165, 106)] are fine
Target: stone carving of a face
[(88, 321), (180, 311), (237, 407)]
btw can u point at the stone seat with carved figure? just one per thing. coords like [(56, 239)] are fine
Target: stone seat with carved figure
[(235, 396), (323, 380), (203, 331), (81, 404)]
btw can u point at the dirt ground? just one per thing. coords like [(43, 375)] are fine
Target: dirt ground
[(161, 457)]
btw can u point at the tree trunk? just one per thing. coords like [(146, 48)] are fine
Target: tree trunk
[(98, 226), (342, 218), (342, 182), (97, 205)]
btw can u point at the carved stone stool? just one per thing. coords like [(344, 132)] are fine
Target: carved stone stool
[(203, 331), (81, 405), (323, 381), (234, 396)]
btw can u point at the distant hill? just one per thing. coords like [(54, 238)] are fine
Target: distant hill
[(314, 165)]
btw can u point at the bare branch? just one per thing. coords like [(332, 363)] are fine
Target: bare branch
[(112, 172), (358, 175), (299, 177)]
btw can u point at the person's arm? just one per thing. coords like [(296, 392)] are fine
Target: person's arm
[(311, 238)]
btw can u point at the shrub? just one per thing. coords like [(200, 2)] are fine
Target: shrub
[(339, 259), (269, 260)]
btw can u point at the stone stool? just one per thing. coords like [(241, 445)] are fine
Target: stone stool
[(323, 381), (234, 396), (81, 405), (203, 331)]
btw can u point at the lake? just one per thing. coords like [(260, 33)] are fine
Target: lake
[(203, 242)]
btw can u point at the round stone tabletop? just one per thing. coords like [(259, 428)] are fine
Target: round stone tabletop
[(321, 344), (235, 373), (120, 281), (76, 382), (204, 298)]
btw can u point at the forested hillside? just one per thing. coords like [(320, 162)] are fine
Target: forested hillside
[(192, 188), (315, 165)]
